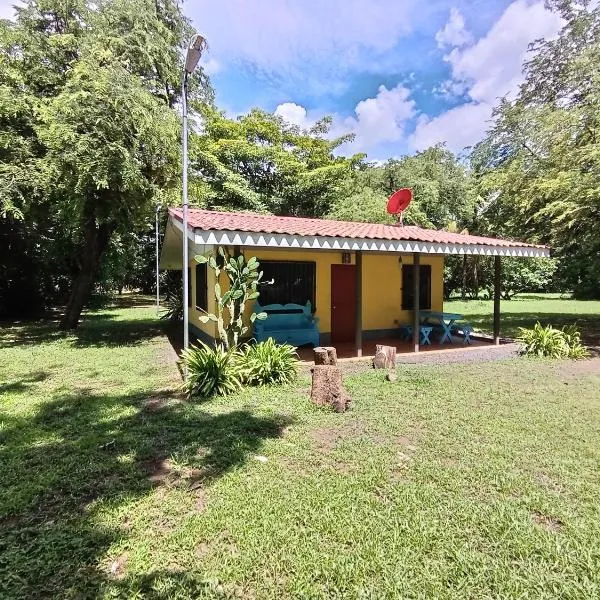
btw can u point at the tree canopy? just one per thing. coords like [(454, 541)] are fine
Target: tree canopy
[(539, 166), (260, 162)]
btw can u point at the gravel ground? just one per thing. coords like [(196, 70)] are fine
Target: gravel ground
[(482, 354)]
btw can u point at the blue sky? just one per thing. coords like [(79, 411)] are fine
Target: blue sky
[(400, 75)]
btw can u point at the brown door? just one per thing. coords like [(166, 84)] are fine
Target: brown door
[(343, 303)]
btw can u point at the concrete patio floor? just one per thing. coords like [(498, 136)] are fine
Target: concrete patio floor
[(347, 351)]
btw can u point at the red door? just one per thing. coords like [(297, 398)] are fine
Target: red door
[(343, 303)]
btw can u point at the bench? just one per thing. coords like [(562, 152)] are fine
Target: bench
[(287, 324), (466, 329), (406, 333)]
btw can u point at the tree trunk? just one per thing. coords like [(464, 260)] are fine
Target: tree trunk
[(328, 388), (325, 355), (385, 357), (96, 239)]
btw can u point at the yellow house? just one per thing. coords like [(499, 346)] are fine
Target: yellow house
[(359, 277)]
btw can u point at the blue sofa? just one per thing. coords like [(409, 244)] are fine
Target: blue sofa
[(287, 323)]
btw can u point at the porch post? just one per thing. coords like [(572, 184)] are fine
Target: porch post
[(358, 296), (416, 294), (497, 291)]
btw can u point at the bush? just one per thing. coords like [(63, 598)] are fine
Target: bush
[(212, 371), (552, 343), (268, 362)]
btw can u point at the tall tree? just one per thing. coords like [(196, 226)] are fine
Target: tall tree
[(444, 192), (99, 82), (260, 162), (539, 166)]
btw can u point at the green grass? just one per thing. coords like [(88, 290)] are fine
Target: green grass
[(471, 481), (526, 309)]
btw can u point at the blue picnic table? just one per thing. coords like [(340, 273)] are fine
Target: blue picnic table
[(444, 320)]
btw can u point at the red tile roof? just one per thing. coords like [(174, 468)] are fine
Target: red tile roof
[(208, 220)]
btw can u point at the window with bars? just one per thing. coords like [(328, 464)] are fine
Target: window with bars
[(292, 282), (408, 285), (202, 287)]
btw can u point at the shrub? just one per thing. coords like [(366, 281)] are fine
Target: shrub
[(552, 343), (212, 371), (268, 362)]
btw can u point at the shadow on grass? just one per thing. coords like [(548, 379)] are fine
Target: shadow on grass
[(83, 455), (23, 383), (97, 329)]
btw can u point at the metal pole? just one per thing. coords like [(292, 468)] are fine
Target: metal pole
[(497, 291), (157, 263), (417, 299), (186, 333)]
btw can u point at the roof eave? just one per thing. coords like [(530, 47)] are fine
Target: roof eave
[(279, 240)]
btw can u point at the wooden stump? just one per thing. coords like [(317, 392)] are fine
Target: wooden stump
[(385, 357), (328, 388), (325, 355)]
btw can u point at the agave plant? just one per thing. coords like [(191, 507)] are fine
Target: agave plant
[(212, 371), (268, 362)]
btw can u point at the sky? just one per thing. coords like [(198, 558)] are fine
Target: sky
[(401, 75)]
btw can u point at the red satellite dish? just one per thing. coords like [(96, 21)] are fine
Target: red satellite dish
[(399, 201)]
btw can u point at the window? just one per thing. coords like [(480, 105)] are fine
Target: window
[(408, 279), (201, 287), (293, 282)]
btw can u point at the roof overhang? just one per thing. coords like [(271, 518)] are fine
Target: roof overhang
[(276, 240)]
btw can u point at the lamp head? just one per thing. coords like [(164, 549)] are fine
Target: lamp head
[(194, 52)]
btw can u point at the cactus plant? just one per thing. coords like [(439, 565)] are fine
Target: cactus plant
[(244, 278)]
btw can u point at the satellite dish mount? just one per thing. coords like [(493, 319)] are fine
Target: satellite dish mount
[(398, 202)]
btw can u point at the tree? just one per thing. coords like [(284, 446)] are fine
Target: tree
[(259, 162), (98, 134), (539, 166), (443, 191)]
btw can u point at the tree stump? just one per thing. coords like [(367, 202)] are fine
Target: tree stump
[(327, 388), (325, 355), (385, 357)]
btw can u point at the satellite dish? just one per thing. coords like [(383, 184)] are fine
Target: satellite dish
[(398, 202)]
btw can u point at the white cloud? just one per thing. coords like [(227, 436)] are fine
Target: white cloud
[(376, 120), (454, 33), (486, 70), (492, 67), (295, 39), (460, 127), (294, 114), (211, 66), (381, 119)]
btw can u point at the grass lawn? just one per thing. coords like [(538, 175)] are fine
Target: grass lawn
[(524, 310), (470, 481)]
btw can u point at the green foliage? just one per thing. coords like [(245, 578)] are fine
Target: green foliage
[(443, 191), (173, 304), (518, 275), (539, 166), (269, 363), (212, 371), (262, 163), (243, 278), (552, 343), (89, 142)]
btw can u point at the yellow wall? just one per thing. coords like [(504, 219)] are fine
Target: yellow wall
[(382, 286)]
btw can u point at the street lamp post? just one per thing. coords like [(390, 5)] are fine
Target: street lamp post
[(194, 51)]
